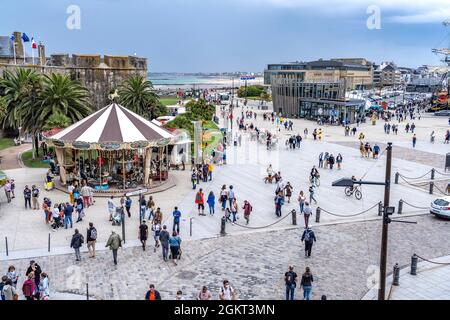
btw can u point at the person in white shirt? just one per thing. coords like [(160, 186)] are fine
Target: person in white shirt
[(111, 207), (227, 292)]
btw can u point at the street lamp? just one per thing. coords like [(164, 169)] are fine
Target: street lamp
[(387, 211)]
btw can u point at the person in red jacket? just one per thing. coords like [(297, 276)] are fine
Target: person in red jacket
[(247, 210), (29, 287), (200, 201)]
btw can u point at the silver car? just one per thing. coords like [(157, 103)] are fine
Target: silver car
[(441, 207)]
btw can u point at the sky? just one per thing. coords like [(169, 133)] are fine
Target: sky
[(235, 35)]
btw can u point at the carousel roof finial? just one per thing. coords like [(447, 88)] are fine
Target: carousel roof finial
[(113, 96)]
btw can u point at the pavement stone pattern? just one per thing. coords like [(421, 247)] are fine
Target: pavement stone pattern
[(253, 263)]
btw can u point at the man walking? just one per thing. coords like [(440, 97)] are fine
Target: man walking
[(279, 201), (68, 210), (164, 239), (76, 243), (91, 239), (114, 243), (307, 212), (200, 202), (8, 188), (290, 279), (143, 234), (231, 196), (27, 197), (35, 197), (309, 237), (311, 194), (176, 219)]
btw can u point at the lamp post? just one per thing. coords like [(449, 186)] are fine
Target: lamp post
[(387, 211)]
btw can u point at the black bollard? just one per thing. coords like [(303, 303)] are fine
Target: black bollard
[(223, 222), (432, 173), (190, 226), (87, 291), (380, 209), (431, 187), (122, 214), (414, 260), (294, 217), (318, 214), (396, 275), (6, 243), (396, 177), (49, 242), (400, 207)]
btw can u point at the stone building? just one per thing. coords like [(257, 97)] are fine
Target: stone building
[(99, 74)]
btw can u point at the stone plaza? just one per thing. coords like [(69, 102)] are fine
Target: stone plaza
[(252, 258)]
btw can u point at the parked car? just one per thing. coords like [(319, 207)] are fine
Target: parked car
[(442, 113), (441, 207)]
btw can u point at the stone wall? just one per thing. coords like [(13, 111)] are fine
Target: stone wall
[(99, 75)]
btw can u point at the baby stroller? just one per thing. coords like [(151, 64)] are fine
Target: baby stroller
[(117, 217), (57, 223)]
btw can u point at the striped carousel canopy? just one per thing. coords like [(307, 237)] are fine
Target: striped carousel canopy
[(113, 124)]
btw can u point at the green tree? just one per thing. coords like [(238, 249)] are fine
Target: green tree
[(136, 93), (251, 91), (63, 96), (57, 120), (2, 109), (17, 88)]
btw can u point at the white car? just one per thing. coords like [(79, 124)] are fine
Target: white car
[(441, 207)]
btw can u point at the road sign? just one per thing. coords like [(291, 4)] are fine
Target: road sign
[(244, 78), (136, 193)]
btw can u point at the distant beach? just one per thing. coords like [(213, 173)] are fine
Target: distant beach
[(168, 81)]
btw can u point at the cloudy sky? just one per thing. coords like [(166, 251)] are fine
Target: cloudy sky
[(235, 35)]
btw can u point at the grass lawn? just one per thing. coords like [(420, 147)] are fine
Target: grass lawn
[(36, 163), (208, 125), (6, 143), (169, 101)]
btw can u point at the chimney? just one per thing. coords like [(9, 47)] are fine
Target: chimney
[(18, 43), (41, 53)]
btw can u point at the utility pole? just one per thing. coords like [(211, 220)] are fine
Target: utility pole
[(386, 220)]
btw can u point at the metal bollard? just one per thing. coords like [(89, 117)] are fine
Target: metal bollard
[(432, 173), (190, 226), (396, 177), (294, 217), (414, 260), (6, 243), (49, 242), (396, 275), (431, 187), (318, 210), (87, 291), (222, 226), (123, 224), (400, 207), (380, 208)]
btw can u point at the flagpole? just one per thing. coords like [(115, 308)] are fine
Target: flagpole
[(32, 52), (24, 53)]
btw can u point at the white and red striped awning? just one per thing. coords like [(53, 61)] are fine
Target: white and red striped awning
[(113, 124)]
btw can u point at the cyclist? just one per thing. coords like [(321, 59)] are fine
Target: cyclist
[(354, 180)]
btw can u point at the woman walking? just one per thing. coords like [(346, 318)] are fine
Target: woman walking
[(12, 275), (29, 287), (339, 161), (174, 243), (43, 287), (223, 197), (307, 279), (288, 190), (211, 202), (301, 201), (234, 209), (247, 210)]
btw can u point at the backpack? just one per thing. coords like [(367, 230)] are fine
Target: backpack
[(311, 189), (290, 279), (307, 236), (94, 234)]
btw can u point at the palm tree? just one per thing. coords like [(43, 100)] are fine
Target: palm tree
[(136, 93), (63, 96), (57, 120), (2, 109), (17, 88)]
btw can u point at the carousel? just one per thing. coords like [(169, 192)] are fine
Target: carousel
[(113, 150)]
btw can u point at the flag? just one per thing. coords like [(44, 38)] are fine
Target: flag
[(25, 38), (13, 38), (33, 44)]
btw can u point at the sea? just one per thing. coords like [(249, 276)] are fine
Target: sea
[(167, 81)]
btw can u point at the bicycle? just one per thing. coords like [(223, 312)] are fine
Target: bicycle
[(314, 180), (349, 191)]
